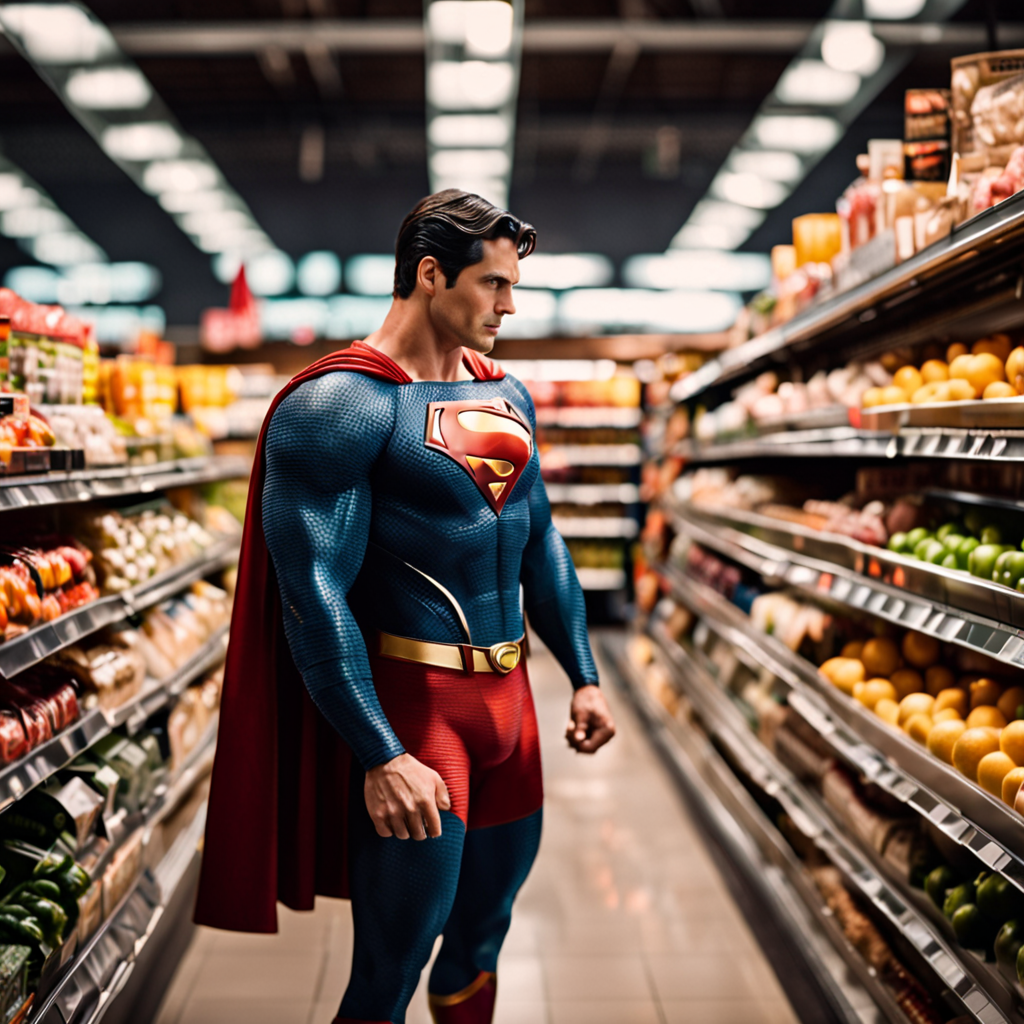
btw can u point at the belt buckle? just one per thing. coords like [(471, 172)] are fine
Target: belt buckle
[(504, 657)]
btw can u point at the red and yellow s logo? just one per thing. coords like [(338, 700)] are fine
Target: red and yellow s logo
[(489, 439)]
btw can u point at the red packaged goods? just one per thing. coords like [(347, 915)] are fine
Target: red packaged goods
[(13, 741)]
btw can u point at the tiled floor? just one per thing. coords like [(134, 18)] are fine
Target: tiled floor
[(624, 919)]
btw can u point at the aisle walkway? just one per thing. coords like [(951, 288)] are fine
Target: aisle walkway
[(623, 921)]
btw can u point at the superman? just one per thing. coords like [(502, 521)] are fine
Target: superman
[(378, 739)]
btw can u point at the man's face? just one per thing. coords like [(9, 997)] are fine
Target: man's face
[(471, 312)]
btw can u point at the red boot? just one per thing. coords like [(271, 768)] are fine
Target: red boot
[(473, 1005)]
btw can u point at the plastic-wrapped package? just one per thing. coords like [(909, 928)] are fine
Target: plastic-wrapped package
[(997, 112)]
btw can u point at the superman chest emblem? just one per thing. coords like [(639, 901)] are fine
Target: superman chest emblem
[(489, 439)]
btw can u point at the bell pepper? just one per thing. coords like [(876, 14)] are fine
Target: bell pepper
[(51, 917), (1012, 568), (22, 932)]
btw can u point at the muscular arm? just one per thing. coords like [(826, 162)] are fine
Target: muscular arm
[(321, 444)]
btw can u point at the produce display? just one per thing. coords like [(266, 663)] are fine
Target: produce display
[(989, 369), (39, 584)]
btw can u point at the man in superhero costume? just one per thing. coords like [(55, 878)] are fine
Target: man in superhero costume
[(375, 689)]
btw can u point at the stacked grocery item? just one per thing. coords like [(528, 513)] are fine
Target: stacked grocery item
[(42, 581)]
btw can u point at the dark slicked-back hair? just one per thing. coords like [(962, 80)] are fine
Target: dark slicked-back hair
[(452, 226)]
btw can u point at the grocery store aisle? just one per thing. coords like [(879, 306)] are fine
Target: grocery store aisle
[(624, 920)]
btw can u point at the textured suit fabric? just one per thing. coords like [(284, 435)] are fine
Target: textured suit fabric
[(354, 497)]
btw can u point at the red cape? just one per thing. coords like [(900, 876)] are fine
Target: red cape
[(275, 828)]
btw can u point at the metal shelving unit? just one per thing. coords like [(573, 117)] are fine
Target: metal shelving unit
[(116, 481), (968, 255), (40, 642), (965, 814), (953, 970)]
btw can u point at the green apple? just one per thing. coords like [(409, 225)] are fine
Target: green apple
[(947, 528), (935, 552), (897, 542), (982, 560), (991, 535), (963, 552), (915, 536), (950, 562)]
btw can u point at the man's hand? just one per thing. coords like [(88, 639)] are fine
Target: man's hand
[(590, 722), (405, 798)]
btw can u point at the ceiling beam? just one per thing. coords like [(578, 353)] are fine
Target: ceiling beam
[(197, 39)]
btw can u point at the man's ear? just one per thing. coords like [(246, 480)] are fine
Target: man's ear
[(429, 275)]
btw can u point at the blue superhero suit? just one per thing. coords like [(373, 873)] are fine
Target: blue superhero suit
[(418, 510)]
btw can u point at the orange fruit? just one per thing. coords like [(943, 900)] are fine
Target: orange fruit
[(936, 391), (920, 650), (843, 673), (942, 739), (852, 649), (1011, 702), (888, 711), (908, 378), (881, 657), (985, 715), (1015, 368), (958, 366), (947, 715), (953, 699), (874, 690), (906, 681), (918, 727), (960, 390), (997, 345), (971, 747), (992, 769), (1011, 741), (893, 395), (1011, 785), (872, 397), (984, 369), (937, 679), (999, 389), (958, 348), (934, 370), (985, 691), (915, 704)]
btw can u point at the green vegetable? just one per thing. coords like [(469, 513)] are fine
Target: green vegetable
[(52, 864), (938, 883), (982, 560), (971, 927), (74, 880), (950, 562), (963, 553), (999, 899), (934, 551), (51, 917), (946, 529), (915, 536), (1020, 965), (958, 896), (897, 542), (991, 535), (46, 888), (952, 541), (26, 932), (1008, 943), (15, 911), (922, 546)]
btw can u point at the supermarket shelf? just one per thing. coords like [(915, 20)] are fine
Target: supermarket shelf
[(601, 579), (50, 757), (30, 648), (594, 417), (831, 582), (886, 757), (102, 969), (847, 442), (592, 494), (761, 857), (157, 692), (722, 717), (117, 481), (596, 526), (557, 456), (950, 588), (934, 269)]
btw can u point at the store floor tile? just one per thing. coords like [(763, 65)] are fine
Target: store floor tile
[(624, 920)]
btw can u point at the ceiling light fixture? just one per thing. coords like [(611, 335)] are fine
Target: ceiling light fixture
[(318, 273), (62, 248), (560, 271), (469, 84), (814, 83), (194, 202), (749, 190), (713, 270), (58, 33), (370, 274), (468, 130), (852, 46), (801, 133), (469, 163), (30, 221), (777, 164), (141, 141), (110, 88), (893, 10)]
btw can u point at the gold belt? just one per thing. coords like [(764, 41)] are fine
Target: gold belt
[(500, 658)]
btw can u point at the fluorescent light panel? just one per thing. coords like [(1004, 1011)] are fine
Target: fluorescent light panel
[(717, 271)]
